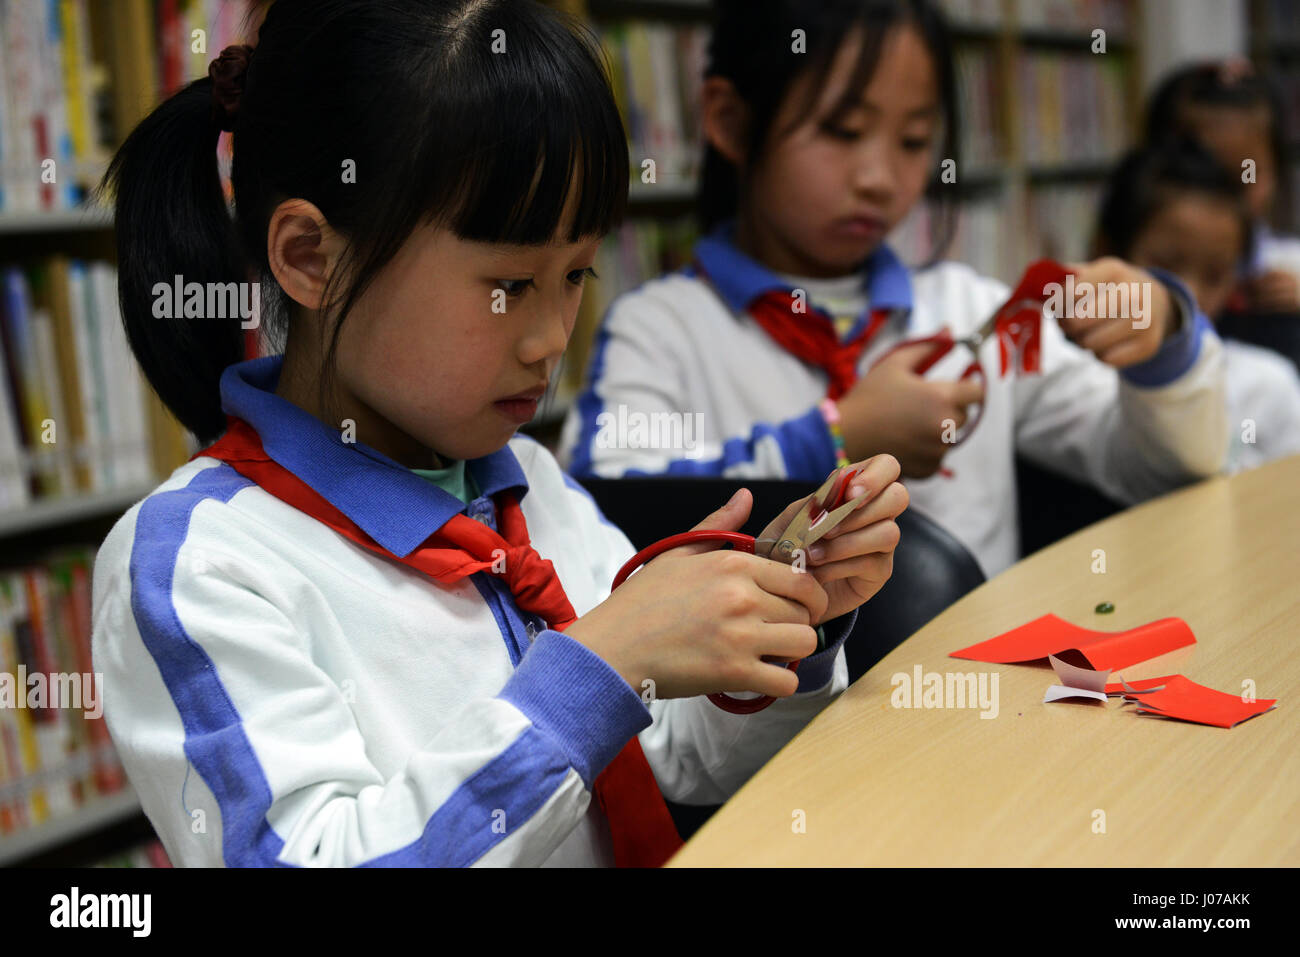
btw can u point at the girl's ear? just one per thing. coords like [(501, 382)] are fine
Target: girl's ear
[(724, 119), (303, 251)]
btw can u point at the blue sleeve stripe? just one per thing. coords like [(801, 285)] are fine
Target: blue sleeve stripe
[(215, 742), (805, 443), (576, 700), (509, 789), (589, 406), (517, 781)]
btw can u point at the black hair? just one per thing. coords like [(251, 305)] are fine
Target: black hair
[(752, 46), (1147, 179), (1224, 85), (441, 128)]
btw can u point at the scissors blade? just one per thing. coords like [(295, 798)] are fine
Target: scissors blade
[(825, 509)]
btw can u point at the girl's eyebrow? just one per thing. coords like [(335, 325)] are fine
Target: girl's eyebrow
[(923, 112)]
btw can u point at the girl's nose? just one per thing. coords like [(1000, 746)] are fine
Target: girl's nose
[(548, 337), (873, 173)]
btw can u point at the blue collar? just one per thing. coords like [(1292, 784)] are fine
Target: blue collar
[(391, 504), (740, 280)]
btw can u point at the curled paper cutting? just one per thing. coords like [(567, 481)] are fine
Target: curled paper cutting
[(1103, 650), (1075, 682)]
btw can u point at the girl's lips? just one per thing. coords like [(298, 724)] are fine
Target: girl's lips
[(860, 228), (517, 410)]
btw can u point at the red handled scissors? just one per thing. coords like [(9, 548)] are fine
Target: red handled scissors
[(825, 509), (1016, 320)]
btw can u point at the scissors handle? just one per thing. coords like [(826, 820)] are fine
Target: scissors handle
[(742, 543)]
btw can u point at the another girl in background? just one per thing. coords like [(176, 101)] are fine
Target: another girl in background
[(369, 625), (815, 154), (1236, 113), (1175, 207)]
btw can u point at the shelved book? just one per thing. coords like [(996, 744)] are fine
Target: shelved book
[(146, 854), (657, 70), (76, 416), (77, 75), (55, 751)]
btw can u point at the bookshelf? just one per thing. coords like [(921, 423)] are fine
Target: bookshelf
[(78, 75)]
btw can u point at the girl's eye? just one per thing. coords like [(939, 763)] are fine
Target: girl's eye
[(513, 287), (916, 144), (840, 132), (579, 276)]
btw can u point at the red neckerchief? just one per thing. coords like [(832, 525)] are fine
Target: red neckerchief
[(640, 825), (810, 335)]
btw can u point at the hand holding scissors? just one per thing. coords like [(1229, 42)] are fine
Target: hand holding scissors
[(851, 567), (922, 422)]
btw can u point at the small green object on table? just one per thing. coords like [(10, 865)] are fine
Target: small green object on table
[(1105, 608)]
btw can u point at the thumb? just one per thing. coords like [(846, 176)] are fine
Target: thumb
[(729, 518)]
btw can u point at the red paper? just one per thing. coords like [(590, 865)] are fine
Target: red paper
[(1184, 699), (1019, 323), (1104, 650)]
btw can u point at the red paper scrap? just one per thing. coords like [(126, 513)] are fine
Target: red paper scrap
[(1184, 699), (1104, 650), (1020, 320)]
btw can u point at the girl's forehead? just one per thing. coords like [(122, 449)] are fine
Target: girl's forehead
[(903, 74), (1225, 120)]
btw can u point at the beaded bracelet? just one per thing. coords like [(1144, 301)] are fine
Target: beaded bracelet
[(831, 413)]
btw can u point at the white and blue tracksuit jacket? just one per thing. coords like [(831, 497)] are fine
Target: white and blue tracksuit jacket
[(681, 349), (280, 695)]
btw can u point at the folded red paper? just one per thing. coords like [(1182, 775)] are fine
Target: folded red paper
[(1184, 699), (1020, 320), (1104, 650)]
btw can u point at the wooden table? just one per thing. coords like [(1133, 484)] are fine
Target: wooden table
[(877, 785)]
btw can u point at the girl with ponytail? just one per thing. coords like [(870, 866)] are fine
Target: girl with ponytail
[(368, 624)]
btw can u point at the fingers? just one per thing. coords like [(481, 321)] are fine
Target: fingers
[(874, 475), (965, 392), (888, 505), (908, 356), (1104, 334), (1126, 353), (859, 554), (867, 573), (795, 596)]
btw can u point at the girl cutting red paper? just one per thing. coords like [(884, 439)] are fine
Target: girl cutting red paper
[(802, 339)]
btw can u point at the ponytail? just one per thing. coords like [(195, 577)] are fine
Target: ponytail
[(171, 220)]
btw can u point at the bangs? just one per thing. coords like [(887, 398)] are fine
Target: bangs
[(529, 128), (874, 23)]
